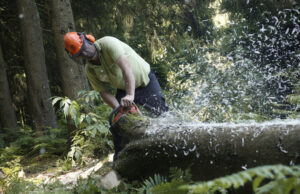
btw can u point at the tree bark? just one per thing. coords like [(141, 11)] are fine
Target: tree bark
[(72, 74), (8, 118), (209, 150), (42, 112)]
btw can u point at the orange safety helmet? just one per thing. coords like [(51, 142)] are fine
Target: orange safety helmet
[(74, 42)]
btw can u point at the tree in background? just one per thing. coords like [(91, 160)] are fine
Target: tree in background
[(72, 74), (8, 118), (41, 109), (12, 54)]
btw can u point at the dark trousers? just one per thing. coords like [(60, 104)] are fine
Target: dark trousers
[(150, 97)]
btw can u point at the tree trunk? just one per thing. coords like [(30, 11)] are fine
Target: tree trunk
[(209, 150), (8, 118), (72, 74), (42, 112)]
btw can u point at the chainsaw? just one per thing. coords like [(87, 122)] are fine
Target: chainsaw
[(116, 114)]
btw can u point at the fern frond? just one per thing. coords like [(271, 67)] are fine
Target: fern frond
[(177, 173), (151, 182), (279, 177), (169, 187)]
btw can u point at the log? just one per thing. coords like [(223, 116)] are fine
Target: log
[(152, 146)]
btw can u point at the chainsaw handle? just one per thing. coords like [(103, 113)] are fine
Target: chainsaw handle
[(123, 110), (112, 114)]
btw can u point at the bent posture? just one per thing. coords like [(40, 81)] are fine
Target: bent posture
[(112, 62)]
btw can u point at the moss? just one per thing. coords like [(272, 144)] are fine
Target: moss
[(127, 122)]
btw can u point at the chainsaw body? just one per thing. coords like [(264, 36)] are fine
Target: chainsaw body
[(119, 111)]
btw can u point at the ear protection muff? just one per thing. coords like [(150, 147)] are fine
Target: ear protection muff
[(89, 37)]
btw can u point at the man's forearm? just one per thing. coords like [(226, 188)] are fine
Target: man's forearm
[(130, 83), (127, 74), (129, 79), (109, 99)]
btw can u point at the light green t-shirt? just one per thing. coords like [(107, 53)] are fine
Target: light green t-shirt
[(109, 50)]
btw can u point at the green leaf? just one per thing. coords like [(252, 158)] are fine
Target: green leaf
[(266, 188), (289, 183), (256, 182), (78, 154), (88, 119), (71, 153), (81, 92), (73, 112), (246, 176), (171, 187), (93, 132), (66, 109), (55, 100), (102, 129), (82, 117), (87, 99)]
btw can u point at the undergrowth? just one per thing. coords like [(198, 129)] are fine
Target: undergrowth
[(52, 149), (90, 118), (264, 179), (271, 179)]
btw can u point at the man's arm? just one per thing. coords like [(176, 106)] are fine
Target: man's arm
[(127, 72), (109, 99)]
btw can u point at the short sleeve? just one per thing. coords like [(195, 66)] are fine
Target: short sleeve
[(113, 47)]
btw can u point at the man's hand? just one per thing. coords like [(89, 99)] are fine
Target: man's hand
[(127, 100)]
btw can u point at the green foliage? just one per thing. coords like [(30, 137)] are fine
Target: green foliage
[(179, 174), (93, 185), (217, 80), (177, 178), (271, 179), (237, 8), (89, 116), (265, 179), (64, 164), (13, 168), (20, 146), (172, 187), (28, 147), (262, 40), (170, 184), (89, 185), (149, 183), (19, 185), (25, 155)]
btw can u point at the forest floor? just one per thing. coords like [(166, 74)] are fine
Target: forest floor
[(102, 168)]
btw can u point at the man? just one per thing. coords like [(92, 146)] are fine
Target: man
[(111, 61)]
